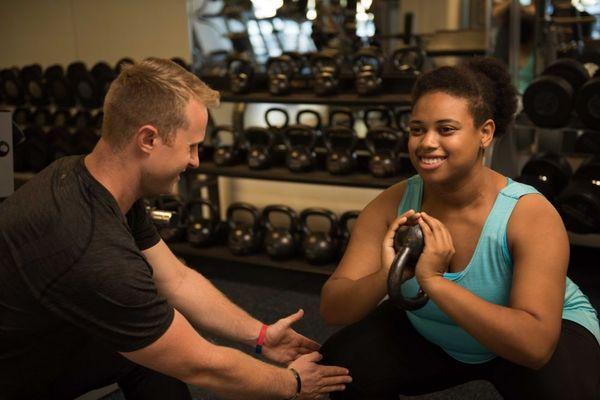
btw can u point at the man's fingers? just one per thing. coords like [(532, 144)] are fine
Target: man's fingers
[(292, 319), (334, 388), (329, 370), (314, 356), (335, 380)]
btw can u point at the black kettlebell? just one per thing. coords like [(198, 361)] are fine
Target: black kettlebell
[(368, 65), (408, 243), (202, 231), (374, 117), (326, 70), (341, 116), (341, 143), (280, 242), (241, 73), (259, 143), (318, 123), (408, 60), (224, 154), (345, 230), (319, 247), (280, 71), (384, 144), (273, 127), (300, 142), (243, 238), (402, 118), (168, 215)]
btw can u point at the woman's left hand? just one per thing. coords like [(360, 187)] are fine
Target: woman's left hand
[(438, 250)]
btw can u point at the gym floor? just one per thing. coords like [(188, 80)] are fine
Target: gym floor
[(269, 294)]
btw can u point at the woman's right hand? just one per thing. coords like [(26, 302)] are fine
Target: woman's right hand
[(319, 380), (387, 247)]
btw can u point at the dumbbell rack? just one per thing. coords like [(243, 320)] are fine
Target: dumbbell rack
[(209, 173)]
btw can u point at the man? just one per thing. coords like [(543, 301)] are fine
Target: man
[(90, 295)]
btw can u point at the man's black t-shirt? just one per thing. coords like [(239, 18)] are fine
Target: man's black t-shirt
[(71, 269)]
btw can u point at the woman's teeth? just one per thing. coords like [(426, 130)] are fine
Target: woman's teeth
[(431, 161)]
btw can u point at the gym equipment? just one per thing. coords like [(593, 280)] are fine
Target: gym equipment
[(300, 142), (167, 214), (345, 230), (260, 143), (341, 143), (61, 118), (587, 104), (326, 65), (41, 117), (224, 154), (384, 144), (81, 119), (380, 114), (280, 243), (408, 60), (61, 143), (181, 62), (36, 151), (243, 238), (368, 67), (202, 231), (408, 243), (104, 75), (58, 86), (319, 247), (316, 126), (12, 86), (22, 117), (402, 118), (588, 142), (274, 127), (241, 73), (549, 99), (33, 82), (549, 173), (579, 203), (85, 87), (341, 116), (280, 71)]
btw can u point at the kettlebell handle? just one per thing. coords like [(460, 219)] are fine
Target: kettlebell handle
[(322, 212), (214, 213), (341, 111), (282, 209), (385, 112), (331, 133), (249, 208), (311, 112), (216, 133), (293, 132), (280, 110), (254, 132), (384, 133)]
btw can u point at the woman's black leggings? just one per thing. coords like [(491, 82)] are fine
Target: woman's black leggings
[(386, 357)]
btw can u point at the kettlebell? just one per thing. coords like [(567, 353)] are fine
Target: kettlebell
[(259, 142), (380, 114), (300, 142), (243, 238), (384, 144), (280, 71), (317, 126), (341, 143), (368, 66), (168, 215), (326, 70), (202, 231), (408, 243), (345, 230), (341, 116), (319, 247), (408, 60), (402, 118), (280, 242), (241, 73), (224, 155)]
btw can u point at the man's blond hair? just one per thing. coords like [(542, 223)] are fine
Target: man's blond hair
[(153, 92)]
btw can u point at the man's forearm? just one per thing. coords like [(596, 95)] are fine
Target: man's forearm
[(199, 301)]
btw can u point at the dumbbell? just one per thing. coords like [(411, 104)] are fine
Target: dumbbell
[(244, 237), (549, 173), (587, 103), (12, 86), (225, 154), (319, 246), (104, 75), (260, 144), (385, 144), (549, 99), (33, 82), (81, 119), (85, 86), (62, 118), (368, 66), (588, 142), (579, 203), (58, 86), (281, 242), (61, 142), (200, 230)]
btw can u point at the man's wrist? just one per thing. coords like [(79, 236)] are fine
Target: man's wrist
[(297, 384)]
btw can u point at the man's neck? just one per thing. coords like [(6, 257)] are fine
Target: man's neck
[(118, 175)]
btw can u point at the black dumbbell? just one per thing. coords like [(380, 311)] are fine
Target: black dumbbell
[(281, 242), (33, 82), (62, 118), (549, 99), (103, 75), (41, 117), (12, 86), (61, 142), (549, 173), (341, 143), (587, 104), (260, 144), (200, 230), (345, 229), (319, 246), (225, 154), (168, 215), (341, 116), (244, 237), (579, 203), (85, 86), (368, 67), (300, 142), (81, 119), (384, 144), (241, 73), (408, 60), (58, 86), (280, 71), (588, 142), (326, 66)]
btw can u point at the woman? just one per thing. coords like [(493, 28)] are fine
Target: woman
[(494, 265)]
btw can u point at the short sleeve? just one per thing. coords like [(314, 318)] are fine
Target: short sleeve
[(142, 229)]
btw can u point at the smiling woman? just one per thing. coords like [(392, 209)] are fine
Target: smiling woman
[(501, 307)]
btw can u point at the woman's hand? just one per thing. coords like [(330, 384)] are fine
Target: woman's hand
[(387, 248), (438, 250)]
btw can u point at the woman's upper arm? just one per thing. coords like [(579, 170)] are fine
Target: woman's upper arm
[(363, 254), (540, 250)]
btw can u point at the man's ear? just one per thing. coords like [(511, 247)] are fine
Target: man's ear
[(487, 133), (147, 138)]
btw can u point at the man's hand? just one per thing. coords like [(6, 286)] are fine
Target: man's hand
[(319, 380), (283, 344)]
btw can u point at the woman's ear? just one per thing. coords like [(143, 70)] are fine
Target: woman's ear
[(146, 138), (487, 133)]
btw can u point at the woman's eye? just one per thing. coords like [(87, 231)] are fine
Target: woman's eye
[(446, 130), (415, 131)]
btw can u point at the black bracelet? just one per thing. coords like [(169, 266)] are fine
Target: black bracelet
[(298, 384)]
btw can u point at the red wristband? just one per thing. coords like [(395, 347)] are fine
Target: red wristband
[(261, 339)]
